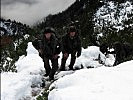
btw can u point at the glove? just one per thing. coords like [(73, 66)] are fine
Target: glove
[(65, 55), (55, 56), (78, 54)]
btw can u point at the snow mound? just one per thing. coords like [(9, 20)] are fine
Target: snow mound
[(112, 83), (89, 58), (16, 86), (30, 70)]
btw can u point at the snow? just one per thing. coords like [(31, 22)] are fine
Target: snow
[(15, 85), (113, 14), (112, 83), (29, 72), (98, 83)]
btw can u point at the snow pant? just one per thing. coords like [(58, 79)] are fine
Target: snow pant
[(72, 62), (50, 70), (118, 60), (120, 56)]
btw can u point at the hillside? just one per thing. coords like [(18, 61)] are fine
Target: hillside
[(14, 38), (92, 17), (114, 22)]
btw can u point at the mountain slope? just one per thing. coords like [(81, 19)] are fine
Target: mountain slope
[(117, 16), (14, 38)]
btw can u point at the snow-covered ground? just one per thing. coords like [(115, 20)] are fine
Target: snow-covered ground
[(103, 83), (16, 86), (98, 83)]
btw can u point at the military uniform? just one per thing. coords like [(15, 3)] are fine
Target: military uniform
[(72, 46), (123, 51), (49, 50)]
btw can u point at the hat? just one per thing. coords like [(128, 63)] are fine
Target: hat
[(72, 29), (48, 30)]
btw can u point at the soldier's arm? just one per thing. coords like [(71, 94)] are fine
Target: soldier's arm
[(79, 47), (40, 47), (58, 47), (63, 45)]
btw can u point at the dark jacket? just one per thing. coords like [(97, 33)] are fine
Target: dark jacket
[(104, 48), (71, 44), (49, 48)]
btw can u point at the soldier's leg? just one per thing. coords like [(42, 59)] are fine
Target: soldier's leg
[(121, 56), (46, 66), (117, 59), (73, 59), (63, 63), (54, 68)]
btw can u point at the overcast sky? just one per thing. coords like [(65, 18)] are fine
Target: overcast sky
[(32, 11)]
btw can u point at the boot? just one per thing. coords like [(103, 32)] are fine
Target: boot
[(46, 74), (43, 83), (71, 67), (51, 78), (54, 69), (47, 66)]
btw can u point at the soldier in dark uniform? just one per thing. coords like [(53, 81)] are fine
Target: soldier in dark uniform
[(71, 44), (119, 52), (49, 49), (128, 50), (104, 48), (123, 51)]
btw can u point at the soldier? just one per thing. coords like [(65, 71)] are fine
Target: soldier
[(104, 48), (120, 53), (49, 49), (71, 44), (128, 50)]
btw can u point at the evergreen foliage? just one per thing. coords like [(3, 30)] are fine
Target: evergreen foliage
[(84, 12), (13, 43), (43, 96)]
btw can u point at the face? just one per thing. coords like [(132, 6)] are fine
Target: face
[(48, 35), (72, 34)]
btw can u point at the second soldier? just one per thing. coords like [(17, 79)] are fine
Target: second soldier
[(71, 45)]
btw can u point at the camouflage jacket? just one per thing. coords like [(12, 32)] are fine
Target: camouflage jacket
[(49, 47), (69, 45)]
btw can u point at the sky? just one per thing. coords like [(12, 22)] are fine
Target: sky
[(99, 83), (32, 11)]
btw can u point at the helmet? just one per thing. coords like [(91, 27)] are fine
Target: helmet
[(72, 29), (49, 30)]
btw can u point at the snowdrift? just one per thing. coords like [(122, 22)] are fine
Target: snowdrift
[(74, 85), (103, 83)]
